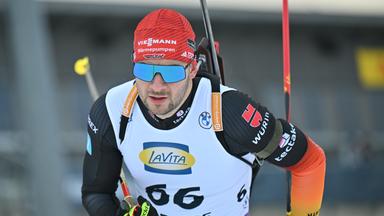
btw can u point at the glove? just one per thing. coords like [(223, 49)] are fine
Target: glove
[(143, 208)]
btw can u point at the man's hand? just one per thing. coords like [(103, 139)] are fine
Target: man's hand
[(143, 208)]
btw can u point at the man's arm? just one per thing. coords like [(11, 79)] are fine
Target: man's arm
[(307, 171), (308, 181), (250, 127), (102, 164)]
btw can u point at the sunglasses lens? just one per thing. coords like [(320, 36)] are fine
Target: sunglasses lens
[(172, 73), (169, 73), (143, 72)]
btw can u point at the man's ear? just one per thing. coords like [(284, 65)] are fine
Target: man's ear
[(193, 70)]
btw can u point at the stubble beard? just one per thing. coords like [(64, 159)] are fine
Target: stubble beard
[(173, 102)]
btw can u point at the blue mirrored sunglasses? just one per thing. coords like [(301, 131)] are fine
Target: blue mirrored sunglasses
[(169, 73)]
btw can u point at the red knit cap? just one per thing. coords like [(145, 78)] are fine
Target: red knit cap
[(164, 34)]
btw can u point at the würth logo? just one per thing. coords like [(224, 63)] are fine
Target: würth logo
[(250, 112)]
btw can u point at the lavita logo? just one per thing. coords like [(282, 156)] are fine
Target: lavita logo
[(167, 158)]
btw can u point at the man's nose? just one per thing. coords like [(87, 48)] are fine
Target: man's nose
[(158, 83)]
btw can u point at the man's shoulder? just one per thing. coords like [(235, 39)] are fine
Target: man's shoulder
[(248, 126), (224, 88), (208, 81), (234, 97), (98, 120), (115, 98), (119, 91)]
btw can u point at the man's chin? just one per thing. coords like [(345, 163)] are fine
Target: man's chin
[(158, 110)]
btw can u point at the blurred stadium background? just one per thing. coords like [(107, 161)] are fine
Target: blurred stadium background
[(337, 54)]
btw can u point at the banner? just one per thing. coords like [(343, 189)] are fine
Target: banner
[(370, 65)]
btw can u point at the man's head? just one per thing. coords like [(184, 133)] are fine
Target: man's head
[(164, 34), (164, 60)]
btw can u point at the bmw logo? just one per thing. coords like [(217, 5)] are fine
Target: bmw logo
[(205, 120)]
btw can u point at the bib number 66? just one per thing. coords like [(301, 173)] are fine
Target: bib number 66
[(183, 197)]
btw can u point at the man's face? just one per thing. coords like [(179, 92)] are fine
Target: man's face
[(161, 98)]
